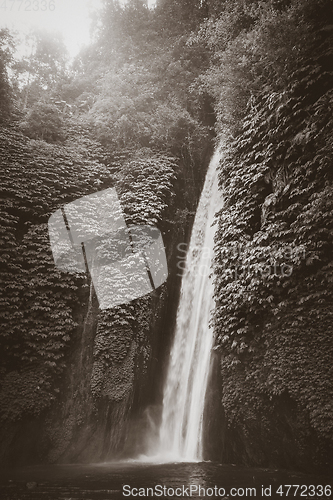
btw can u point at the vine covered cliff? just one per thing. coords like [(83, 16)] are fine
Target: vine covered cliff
[(273, 262)]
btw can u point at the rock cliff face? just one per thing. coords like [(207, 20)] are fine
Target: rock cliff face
[(76, 380), (274, 267)]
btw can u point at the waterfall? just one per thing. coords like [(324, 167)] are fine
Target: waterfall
[(181, 431)]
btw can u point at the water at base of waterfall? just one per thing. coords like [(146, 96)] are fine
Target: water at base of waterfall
[(128, 480)]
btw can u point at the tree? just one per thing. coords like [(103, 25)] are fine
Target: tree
[(40, 72), (6, 57), (43, 121)]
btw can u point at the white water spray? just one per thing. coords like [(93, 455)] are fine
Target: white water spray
[(181, 432)]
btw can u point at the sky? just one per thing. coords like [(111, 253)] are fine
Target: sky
[(69, 17)]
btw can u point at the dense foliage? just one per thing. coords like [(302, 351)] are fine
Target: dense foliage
[(37, 299), (273, 316)]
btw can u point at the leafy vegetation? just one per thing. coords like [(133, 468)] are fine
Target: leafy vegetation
[(273, 315)]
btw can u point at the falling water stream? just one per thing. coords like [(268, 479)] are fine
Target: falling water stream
[(188, 372)]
